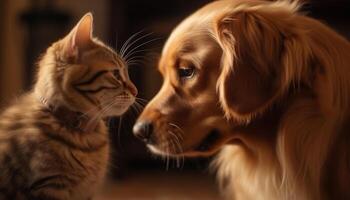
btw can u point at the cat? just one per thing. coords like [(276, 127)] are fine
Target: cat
[(53, 140)]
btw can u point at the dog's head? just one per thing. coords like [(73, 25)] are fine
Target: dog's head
[(222, 66), (185, 115)]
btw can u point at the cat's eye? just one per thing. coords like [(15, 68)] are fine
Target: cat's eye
[(186, 72), (117, 75)]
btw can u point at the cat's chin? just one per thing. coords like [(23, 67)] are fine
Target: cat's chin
[(117, 111)]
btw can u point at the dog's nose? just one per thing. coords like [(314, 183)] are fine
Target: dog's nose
[(143, 130)]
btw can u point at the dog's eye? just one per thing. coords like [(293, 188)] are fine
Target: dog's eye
[(186, 72)]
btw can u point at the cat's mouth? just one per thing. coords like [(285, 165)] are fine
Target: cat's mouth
[(125, 106), (117, 109)]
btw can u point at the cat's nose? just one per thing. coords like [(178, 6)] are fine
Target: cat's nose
[(143, 130), (132, 88)]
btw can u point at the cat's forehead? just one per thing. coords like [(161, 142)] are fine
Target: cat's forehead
[(103, 55)]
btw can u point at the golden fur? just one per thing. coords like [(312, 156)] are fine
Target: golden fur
[(270, 89)]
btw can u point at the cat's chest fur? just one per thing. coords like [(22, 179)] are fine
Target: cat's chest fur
[(36, 147)]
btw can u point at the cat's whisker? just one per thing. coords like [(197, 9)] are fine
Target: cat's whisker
[(134, 110), (131, 55), (139, 106), (125, 51), (100, 114), (102, 104), (145, 100), (137, 111), (134, 54), (135, 58), (105, 105), (104, 111), (143, 104), (135, 62), (119, 130), (94, 109), (140, 45), (126, 43), (130, 49)]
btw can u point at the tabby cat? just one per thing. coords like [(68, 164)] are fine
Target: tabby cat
[(53, 140)]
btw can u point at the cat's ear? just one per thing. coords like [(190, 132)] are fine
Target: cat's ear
[(80, 37)]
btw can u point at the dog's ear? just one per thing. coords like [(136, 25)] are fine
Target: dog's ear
[(250, 76)]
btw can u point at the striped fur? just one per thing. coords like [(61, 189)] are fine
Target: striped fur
[(53, 141)]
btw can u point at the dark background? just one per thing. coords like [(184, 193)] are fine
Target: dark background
[(29, 27)]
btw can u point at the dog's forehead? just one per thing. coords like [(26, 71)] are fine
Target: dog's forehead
[(191, 49), (194, 25), (185, 37), (192, 30), (200, 21)]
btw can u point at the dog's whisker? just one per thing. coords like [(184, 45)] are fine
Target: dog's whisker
[(177, 128), (167, 157), (164, 146), (178, 147), (171, 149)]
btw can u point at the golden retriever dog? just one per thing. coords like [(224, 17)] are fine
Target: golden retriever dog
[(267, 86)]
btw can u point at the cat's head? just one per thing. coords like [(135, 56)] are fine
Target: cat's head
[(82, 73)]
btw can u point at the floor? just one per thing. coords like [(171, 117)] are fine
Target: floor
[(156, 185)]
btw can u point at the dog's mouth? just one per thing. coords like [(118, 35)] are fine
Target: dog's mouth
[(207, 146)]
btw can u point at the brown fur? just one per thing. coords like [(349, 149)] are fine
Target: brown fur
[(53, 141), (272, 85)]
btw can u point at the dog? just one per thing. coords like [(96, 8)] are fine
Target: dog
[(267, 89)]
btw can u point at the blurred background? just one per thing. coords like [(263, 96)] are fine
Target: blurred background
[(28, 27)]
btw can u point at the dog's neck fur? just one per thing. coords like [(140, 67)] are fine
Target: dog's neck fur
[(270, 137)]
